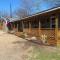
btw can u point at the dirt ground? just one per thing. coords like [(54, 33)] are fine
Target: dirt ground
[(13, 47), (16, 48)]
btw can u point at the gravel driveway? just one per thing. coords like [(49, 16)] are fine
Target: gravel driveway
[(12, 47)]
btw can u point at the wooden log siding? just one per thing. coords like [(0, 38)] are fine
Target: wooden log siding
[(50, 33), (36, 29)]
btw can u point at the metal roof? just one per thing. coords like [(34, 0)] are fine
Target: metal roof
[(14, 19), (10, 19), (46, 11)]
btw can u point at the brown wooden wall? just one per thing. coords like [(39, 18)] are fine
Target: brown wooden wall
[(49, 32)]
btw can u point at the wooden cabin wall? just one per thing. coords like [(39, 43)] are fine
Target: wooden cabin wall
[(50, 33), (36, 31)]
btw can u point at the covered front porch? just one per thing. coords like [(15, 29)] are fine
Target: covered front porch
[(44, 26)]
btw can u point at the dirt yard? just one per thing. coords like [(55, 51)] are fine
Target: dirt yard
[(15, 48)]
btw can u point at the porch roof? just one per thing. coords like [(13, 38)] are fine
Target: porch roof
[(49, 11)]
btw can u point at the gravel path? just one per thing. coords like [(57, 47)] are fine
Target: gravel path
[(12, 47)]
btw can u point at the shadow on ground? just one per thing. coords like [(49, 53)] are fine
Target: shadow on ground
[(37, 47)]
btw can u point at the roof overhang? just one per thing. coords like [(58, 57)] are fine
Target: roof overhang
[(46, 12)]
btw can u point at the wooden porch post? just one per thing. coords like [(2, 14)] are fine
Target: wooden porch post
[(14, 25), (17, 26), (29, 27), (11, 26), (23, 26), (39, 27), (56, 28)]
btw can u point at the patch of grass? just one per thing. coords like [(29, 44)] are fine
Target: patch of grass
[(22, 36), (42, 54)]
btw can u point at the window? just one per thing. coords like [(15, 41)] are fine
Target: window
[(20, 28), (34, 24), (26, 24), (52, 22), (59, 21), (45, 23), (15, 23)]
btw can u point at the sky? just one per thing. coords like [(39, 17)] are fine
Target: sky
[(36, 5), (42, 5), (5, 5)]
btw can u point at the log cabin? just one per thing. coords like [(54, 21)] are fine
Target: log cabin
[(43, 25)]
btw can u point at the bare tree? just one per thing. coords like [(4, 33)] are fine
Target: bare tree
[(21, 13), (27, 5), (4, 14), (25, 10), (33, 6)]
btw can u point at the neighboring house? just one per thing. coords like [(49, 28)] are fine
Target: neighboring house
[(4, 24)]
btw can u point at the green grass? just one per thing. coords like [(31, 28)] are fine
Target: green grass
[(43, 54), (22, 36)]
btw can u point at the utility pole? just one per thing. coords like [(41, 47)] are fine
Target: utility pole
[(10, 11)]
